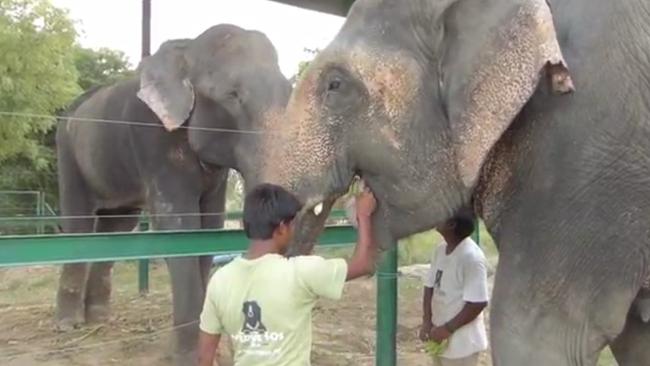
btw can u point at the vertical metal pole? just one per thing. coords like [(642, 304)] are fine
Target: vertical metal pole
[(39, 211), (143, 264), (146, 28), (476, 235), (386, 352), (143, 276)]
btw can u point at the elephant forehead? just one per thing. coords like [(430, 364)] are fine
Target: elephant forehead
[(391, 78), (301, 146)]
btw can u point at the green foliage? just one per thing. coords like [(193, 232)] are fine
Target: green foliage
[(37, 74), (434, 348), (235, 192), (100, 67), (42, 70), (303, 65)]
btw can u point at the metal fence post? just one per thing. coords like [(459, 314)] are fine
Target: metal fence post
[(143, 276), (143, 266), (39, 211), (386, 352), (476, 235)]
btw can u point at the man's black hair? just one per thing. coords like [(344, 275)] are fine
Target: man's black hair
[(265, 208), (464, 226)]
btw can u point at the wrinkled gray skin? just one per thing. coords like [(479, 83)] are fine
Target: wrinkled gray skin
[(441, 104), (226, 78)]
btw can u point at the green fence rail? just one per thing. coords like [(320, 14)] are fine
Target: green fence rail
[(143, 264), (144, 245), (74, 248)]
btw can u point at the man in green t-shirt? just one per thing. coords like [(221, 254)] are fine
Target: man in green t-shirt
[(264, 300)]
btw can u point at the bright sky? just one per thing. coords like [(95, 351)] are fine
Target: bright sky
[(117, 24)]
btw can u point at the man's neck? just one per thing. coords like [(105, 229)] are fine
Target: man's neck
[(260, 248), (452, 243)]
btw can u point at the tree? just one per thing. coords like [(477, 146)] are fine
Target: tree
[(42, 70), (235, 192), (100, 67), (302, 65), (37, 74)]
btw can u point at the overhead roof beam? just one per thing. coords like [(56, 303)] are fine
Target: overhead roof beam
[(336, 7)]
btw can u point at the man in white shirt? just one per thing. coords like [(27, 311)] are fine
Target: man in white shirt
[(455, 294)]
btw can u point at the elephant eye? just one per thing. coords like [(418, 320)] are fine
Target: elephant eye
[(233, 95), (334, 85)]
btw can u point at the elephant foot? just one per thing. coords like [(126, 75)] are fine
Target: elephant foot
[(69, 312), (97, 313), (67, 323), (70, 297)]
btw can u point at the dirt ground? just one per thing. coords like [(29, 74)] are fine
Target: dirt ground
[(139, 330)]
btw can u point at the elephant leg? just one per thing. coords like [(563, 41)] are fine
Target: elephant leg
[(98, 286), (69, 311), (188, 294), (186, 277), (631, 347), (213, 204), (539, 318), (77, 209)]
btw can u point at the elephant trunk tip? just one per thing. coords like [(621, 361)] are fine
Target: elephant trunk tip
[(561, 82)]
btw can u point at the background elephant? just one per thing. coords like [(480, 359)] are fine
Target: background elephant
[(440, 104), (186, 101)]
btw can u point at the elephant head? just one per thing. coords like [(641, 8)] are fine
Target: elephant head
[(411, 96), (225, 86)]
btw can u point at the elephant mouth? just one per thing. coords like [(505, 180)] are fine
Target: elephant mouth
[(309, 224), (209, 167), (311, 220)]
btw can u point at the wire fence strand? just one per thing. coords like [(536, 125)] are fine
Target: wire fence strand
[(133, 123), (125, 216)]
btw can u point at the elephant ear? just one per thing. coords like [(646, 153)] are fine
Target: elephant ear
[(164, 85), (494, 55)]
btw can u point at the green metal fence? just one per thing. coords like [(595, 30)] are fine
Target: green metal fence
[(25, 250), (23, 203)]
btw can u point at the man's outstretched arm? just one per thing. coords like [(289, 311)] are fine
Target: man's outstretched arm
[(364, 258), (208, 345)]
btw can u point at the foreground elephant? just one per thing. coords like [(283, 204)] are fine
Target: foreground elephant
[(440, 104), (226, 79)]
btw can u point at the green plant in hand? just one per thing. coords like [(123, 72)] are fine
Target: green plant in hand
[(434, 348)]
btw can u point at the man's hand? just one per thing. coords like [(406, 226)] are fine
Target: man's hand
[(366, 203), (439, 334), (363, 260), (425, 331)]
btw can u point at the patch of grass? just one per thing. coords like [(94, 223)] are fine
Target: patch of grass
[(607, 358), (418, 248), (27, 285), (410, 288), (34, 285)]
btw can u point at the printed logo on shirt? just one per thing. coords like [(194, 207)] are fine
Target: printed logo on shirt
[(254, 334), (438, 280), (252, 318)]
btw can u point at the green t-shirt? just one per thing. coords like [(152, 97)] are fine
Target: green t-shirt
[(265, 306)]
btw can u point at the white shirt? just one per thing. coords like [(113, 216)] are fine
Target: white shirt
[(457, 278)]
